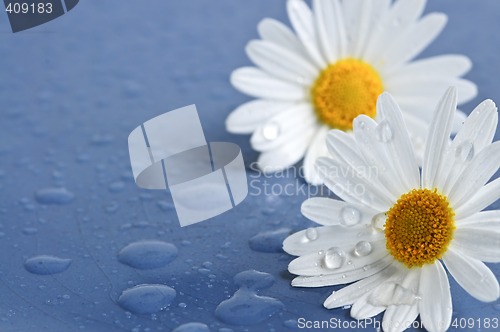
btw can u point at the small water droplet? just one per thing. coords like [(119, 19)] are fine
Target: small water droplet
[(383, 132), (30, 230), (311, 234), (146, 298), (349, 216), (334, 258), (54, 196), (363, 248), (465, 151), (192, 327), (271, 131), (270, 241), (45, 264), (378, 221), (147, 254)]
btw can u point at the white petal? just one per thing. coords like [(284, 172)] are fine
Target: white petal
[(248, 116), (290, 127), (486, 219), (435, 307), (458, 121), (481, 199), (399, 317), (437, 138), (301, 243), (477, 132), (413, 40), (279, 34), (257, 83), (351, 293), (360, 13), (366, 131), (330, 212), (399, 290), (353, 185), (301, 18), (426, 92), (316, 149), (281, 63), (398, 146), (314, 264), (475, 277), (451, 65), (417, 128), (478, 243), (330, 28), (361, 309), (391, 25), (475, 175), (284, 156)]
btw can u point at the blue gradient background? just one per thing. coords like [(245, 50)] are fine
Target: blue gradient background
[(70, 93)]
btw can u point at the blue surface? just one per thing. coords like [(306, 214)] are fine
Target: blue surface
[(70, 93)]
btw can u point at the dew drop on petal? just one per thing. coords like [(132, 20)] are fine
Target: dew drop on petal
[(363, 248), (311, 234), (465, 151), (378, 222), (349, 216), (334, 258), (383, 132), (271, 131)]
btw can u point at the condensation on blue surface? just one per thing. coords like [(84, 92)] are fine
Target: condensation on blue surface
[(71, 92)]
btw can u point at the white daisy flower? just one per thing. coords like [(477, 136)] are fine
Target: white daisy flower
[(343, 55), (396, 225)]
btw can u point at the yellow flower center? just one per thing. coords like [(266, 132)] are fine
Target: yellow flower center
[(419, 227), (344, 90)]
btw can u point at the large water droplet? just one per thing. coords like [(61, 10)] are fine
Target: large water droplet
[(54, 196), (245, 307), (311, 234), (349, 216), (378, 221), (149, 254), (192, 327), (45, 264), (334, 258), (271, 241), (271, 131), (363, 248), (147, 298), (383, 132), (465, 151)]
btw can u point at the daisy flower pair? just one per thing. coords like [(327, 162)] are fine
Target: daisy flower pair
[(342, 56), (396, 226)]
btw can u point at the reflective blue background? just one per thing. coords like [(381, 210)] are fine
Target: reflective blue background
[(70, 93)]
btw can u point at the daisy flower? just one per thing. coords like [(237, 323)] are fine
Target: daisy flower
[(397, 224), (342, 56)]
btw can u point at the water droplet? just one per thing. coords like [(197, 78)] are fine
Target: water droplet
[(146, 298), (245, 307), (334, 258), (383, 132), (148, 254), (497, 306), (56, 196), (30, 230), (378, 222), (270, 241), (271, 131), (311, 234), (363, 248), (253, 280), (291, 324), (45, 264), (192, 327), (465, 151), (349, 216)]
